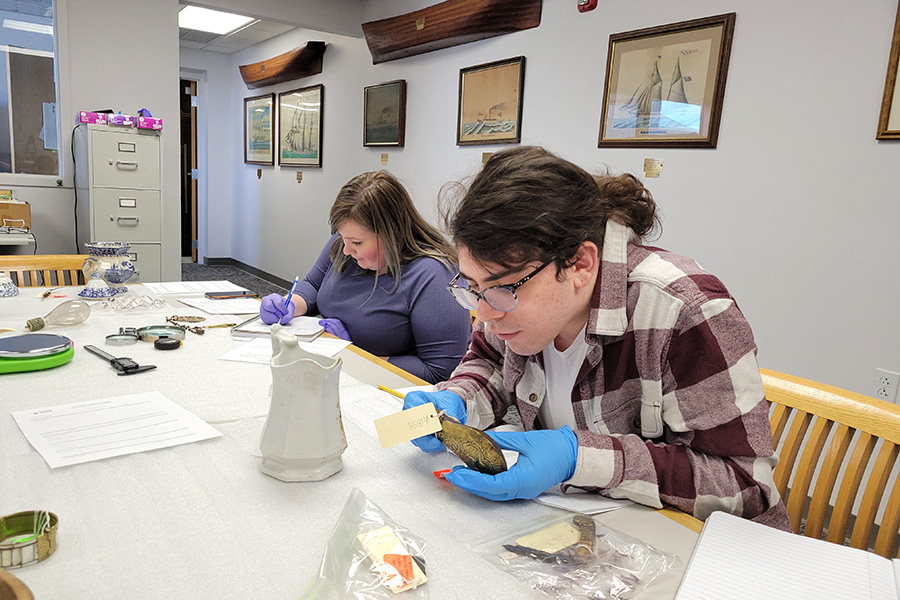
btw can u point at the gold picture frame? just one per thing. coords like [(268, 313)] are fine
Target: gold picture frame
[(889, 118), (259, 114), (665, 85), (490, 103)]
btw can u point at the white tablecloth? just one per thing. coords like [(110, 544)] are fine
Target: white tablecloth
[(201, 521)]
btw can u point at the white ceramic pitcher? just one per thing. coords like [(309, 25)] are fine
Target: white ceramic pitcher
[(303, 438)]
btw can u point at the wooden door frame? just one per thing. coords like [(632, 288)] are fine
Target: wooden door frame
[(195, 240)]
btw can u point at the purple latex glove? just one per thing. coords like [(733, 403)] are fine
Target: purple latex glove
[(443, 400), (546, 457), (272, 310), (335, 328)]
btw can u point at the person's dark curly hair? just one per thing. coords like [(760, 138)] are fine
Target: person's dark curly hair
[(529, 205)]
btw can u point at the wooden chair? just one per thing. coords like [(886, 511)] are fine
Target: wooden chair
[(44, 270), (830, 419)]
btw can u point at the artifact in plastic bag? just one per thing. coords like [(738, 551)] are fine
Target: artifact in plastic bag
[(474, 447), (574, 558), (578, 553), (369, 557)]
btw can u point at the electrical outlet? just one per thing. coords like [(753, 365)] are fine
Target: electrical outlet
[(886, 383)]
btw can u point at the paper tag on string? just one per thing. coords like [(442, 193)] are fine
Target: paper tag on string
[(407, 425)]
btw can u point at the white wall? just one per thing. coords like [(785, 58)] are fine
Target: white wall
[(127, 60), (118, 58), (796, 210)]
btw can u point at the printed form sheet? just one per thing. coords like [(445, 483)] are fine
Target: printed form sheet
[(70, 434)]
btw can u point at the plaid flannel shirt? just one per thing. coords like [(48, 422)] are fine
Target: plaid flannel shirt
[(669, 403)]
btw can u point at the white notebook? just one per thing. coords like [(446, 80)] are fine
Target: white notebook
[(737, 559)]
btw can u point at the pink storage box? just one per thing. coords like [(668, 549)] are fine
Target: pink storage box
[(91, 117), (123, 120), (149, 123)]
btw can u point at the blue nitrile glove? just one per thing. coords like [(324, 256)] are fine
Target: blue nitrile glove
[(443, 400), (546, 458), (272, 310), (335, 328)]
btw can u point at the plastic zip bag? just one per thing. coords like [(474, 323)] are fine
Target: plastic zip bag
[(369, 557), (552, 555)]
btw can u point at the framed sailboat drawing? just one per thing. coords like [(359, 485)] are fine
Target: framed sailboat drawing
[(300, 127), (665, 85), (889, 119)]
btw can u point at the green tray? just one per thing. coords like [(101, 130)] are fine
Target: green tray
[(37, 363), (34, 352)]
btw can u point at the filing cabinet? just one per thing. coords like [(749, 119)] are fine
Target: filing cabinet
[(118, 177)]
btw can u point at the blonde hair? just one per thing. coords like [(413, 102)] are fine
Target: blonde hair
[(378, 202)]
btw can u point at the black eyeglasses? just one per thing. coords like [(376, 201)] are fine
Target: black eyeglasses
[(499, 297)]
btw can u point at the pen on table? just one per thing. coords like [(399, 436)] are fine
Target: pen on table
[(390, 391), (291, 293)]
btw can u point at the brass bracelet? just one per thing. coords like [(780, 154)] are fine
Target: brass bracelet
[(19, 545)]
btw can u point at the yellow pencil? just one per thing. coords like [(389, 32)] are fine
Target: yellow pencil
[(390, 391)]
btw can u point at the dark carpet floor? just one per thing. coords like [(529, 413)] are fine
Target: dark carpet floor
[(198, 272)]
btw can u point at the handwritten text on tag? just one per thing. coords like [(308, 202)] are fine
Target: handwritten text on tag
[(407, 425)]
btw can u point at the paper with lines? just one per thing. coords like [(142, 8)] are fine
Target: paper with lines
[(738, 559), (84, 431)]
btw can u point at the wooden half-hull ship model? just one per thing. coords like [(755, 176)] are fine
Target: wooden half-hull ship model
[(447, 24), (300, 62)]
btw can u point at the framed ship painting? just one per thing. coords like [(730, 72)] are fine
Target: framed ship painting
[(490, 103), (300, 127), (384, 114), (665, 85), (258, 142)]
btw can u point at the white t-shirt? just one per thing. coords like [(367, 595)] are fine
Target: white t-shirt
[(561, 368)]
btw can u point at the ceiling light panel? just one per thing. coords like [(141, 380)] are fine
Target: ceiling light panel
[(213, 21)]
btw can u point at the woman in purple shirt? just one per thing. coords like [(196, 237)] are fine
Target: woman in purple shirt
[(379, 282)]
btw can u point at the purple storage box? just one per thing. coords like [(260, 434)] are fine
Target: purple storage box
[(91, 117), (149, 123), (124, 120)]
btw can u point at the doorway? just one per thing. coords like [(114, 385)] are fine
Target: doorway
[(188, 102)]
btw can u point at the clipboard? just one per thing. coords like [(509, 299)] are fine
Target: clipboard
[(305, 328)]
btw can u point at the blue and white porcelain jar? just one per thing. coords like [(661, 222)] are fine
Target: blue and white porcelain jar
[(112, 261), (8, 289), (97, 289)]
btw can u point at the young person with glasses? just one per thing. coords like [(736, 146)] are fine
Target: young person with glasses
[(379, 282), (631, 369)]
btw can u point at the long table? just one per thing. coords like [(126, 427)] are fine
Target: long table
[(201, 521)]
